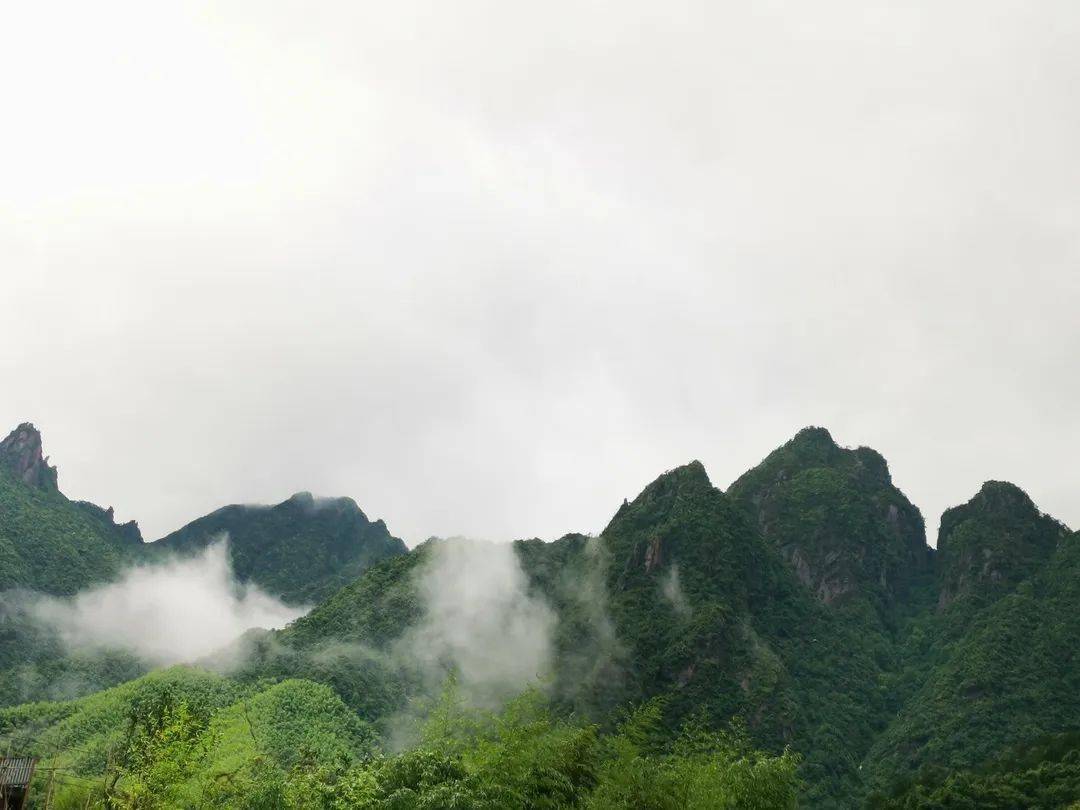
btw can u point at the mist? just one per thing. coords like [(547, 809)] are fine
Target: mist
[(171, 612), (671, 588), (769, 215), (480, 622)]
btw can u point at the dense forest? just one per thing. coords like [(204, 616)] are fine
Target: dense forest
[(793, 641)]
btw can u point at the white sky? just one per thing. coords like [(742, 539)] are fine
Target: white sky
[(490, 267)]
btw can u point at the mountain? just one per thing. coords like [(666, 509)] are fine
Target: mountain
[(682, 597), (837, 518), (209, 724), (992, 543), (301, 550), (48, 542), (803, 602), (54, 545), (996, 658)]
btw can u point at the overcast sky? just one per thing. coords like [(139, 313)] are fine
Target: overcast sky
[(490, 267)]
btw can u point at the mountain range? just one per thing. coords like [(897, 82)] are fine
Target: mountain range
[(804, 601)]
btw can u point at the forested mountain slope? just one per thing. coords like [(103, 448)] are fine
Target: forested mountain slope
[(804, 602), (47, 542), (300, 550), (837, 518), (995, 663), (680, 596)]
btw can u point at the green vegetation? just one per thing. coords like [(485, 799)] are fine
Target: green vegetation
[(57, 546), (35, 663), (1044, 774), (182, 738), (301, 550), (51, 544), (795, 635), (1010, 678)]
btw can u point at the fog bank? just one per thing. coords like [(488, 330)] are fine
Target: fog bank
[(480, 621), (167, 613)]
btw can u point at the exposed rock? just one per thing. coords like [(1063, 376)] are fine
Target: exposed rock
[(836, 517), (20, 453), (653, 555), (129, 531)]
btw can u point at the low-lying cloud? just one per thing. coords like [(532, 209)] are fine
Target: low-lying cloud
[(671, 587), (167, 613), (480, 620)]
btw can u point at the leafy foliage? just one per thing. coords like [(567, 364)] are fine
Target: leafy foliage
[(300, 550), (1010, 678), (802, 611), (1043, 774), (188, 739), (51, 544)]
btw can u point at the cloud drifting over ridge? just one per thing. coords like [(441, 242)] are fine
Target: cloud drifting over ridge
[(172, 612)]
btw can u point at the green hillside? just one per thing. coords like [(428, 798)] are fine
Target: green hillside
[(997, 659), (47, 542), (797, 626), (743, 636), (809, 605), (187, 738), (169, 739), (301, 550), (837, 518)]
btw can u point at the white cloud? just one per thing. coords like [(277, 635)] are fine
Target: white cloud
[(172, 612), (505, 264), (671, 588), (480, 621)]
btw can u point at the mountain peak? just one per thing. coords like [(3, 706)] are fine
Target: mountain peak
[(835, 515), (814, 435), (299, 550), (693, 472), (21, 453), (993, 541), (1005, 495), (689, 476), (995, 500), (307, 502)]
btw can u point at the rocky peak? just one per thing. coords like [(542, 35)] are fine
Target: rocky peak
[(681, 521), (686, 481), (128, 532), (815, 444), (995, 500), (690, 476), (992, 542), (20, 453), (835, 515)]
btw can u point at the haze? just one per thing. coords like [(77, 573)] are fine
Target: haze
[(489, 268)]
